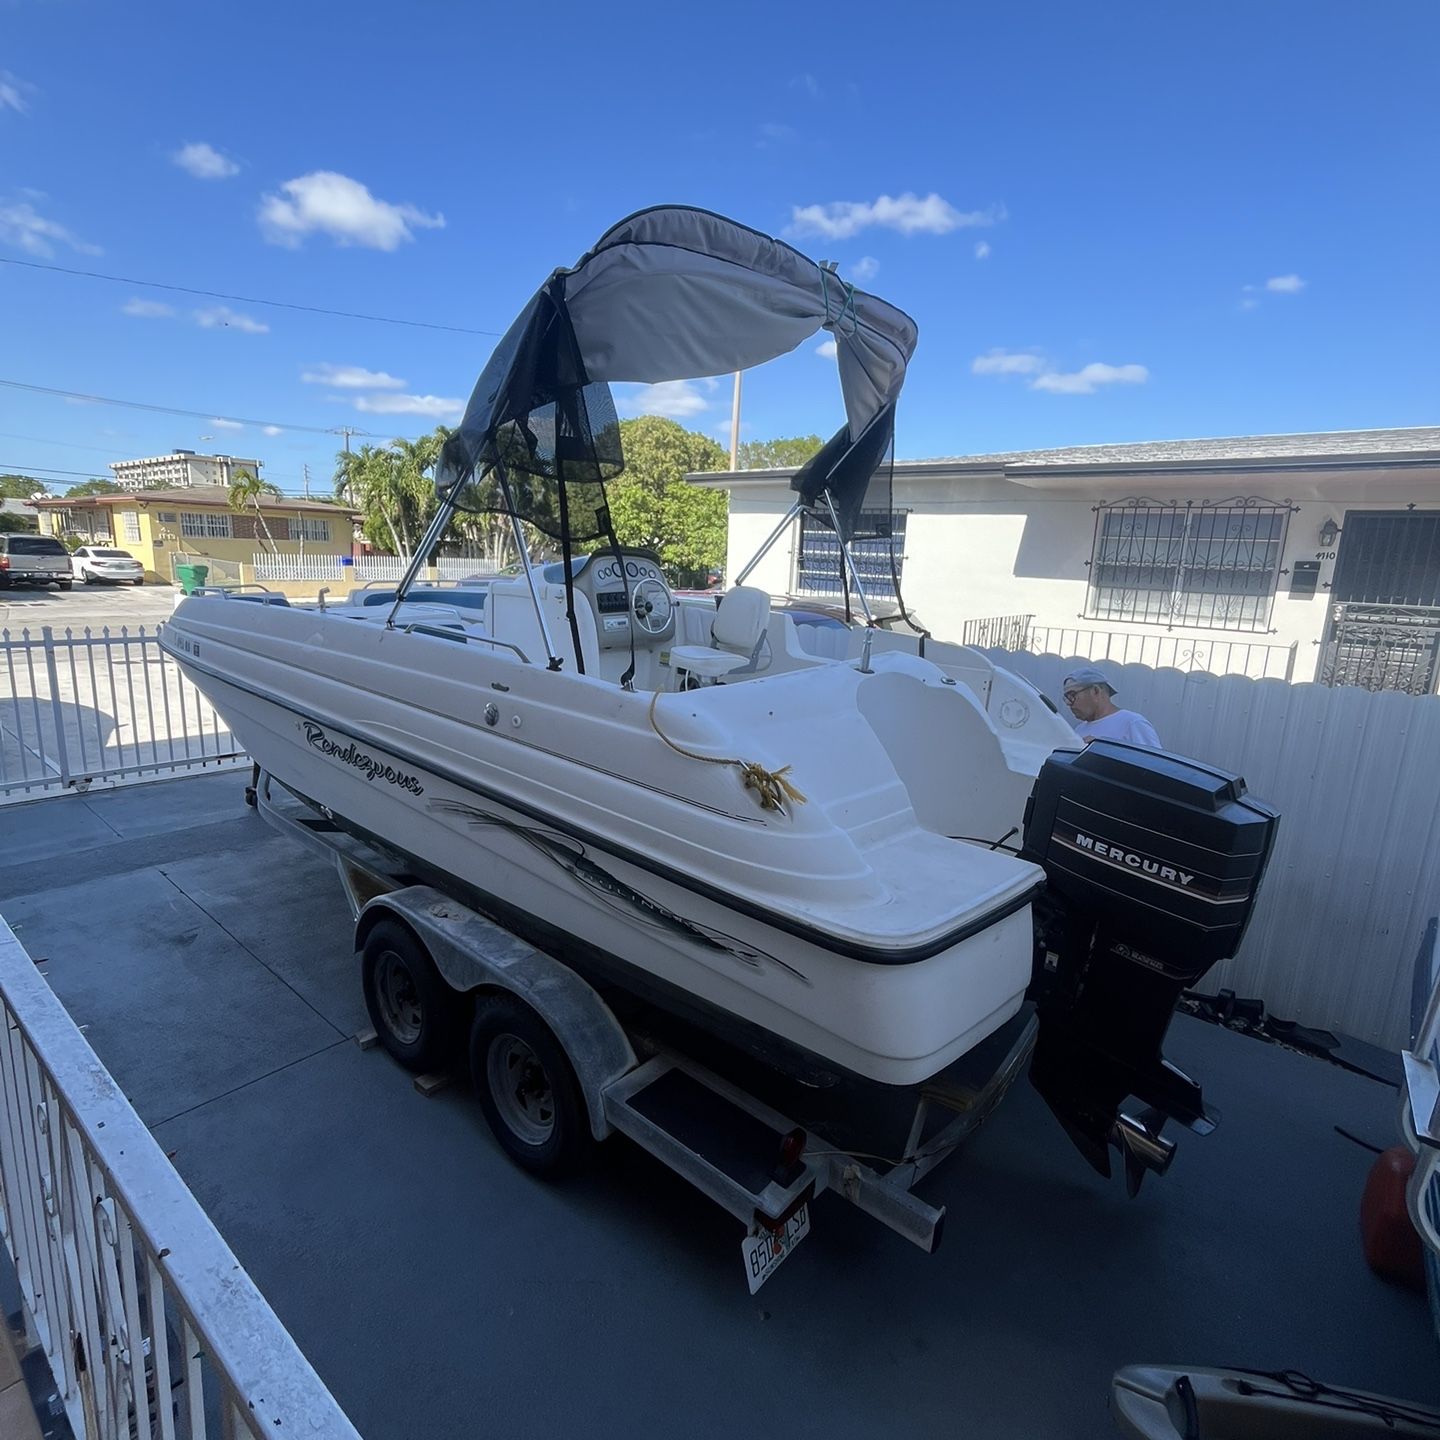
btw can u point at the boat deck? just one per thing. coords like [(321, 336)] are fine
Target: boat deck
[(441, 1292)]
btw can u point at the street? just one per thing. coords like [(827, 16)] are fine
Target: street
[(31, 606)]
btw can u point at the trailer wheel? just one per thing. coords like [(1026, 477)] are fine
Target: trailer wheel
[(528, 1089), (414, 1012)]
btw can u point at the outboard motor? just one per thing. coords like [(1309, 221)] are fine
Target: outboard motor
[(1153, 864)]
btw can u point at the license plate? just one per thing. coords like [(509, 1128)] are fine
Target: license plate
[(766, 1252)]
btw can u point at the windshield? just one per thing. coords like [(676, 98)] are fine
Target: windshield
[(36, 545), (112, 554)]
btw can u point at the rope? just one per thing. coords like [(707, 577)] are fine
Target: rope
[(771, 786)]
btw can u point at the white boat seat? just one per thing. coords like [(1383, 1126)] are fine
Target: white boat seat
[(737, 633)]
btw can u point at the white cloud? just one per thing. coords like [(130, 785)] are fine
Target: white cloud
[(867, 267), (808, 83), (1088, 379), (674, 399), (1285, 284), (433, 407), (147, 309), (1249, 302), (773, 134), (1042, 375), (222, 424), (351, 377), (1008, 362), (982, 249), (223, 317), (12, 93), (204, 161), (828, 348), (23, 226), (909, 213), (273, 430), (335, 205)]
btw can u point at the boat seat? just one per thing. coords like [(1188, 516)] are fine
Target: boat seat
[(738, 633)]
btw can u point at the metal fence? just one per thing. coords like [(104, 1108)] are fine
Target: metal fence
[(150, 1326), (217, 571), (336, 568), (1357, 861), (80, 709), (1160, 652), (998, 632)]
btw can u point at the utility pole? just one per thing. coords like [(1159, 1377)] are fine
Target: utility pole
[(306, 469), (735, 426)]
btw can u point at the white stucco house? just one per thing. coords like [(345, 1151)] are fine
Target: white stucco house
[(1313, 556)]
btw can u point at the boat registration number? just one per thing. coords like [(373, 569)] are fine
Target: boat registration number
[(766, 1251)]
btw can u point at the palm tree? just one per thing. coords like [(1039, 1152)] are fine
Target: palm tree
[(246, 489)]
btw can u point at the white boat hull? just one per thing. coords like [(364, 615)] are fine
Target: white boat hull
[(896, 1023)]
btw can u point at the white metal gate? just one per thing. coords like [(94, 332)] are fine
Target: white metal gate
[(89, 708)]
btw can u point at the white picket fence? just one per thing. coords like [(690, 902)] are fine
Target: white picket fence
[(330, 569), (1356, 872)]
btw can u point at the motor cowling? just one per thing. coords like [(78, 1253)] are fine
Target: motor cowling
[(1153, 864)]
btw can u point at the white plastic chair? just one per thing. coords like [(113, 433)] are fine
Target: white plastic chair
[(737, 633)]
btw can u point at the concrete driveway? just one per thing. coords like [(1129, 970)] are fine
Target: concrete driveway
[(442, 1293)]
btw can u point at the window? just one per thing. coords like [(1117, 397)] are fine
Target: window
[(820, 570), (308, 529), (131, 521), (205, 525), (1210, 565)]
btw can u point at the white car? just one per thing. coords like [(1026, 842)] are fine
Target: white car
[(93, 562)]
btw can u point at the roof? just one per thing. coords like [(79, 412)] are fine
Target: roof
[(1413, 445), (188, 499), (1320, 444)]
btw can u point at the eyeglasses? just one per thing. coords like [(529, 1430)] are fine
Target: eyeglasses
[(1071, 694)]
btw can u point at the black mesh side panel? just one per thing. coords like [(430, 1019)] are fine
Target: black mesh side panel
[(546, 429)]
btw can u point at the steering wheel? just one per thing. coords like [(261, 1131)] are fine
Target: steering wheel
[(650, 602)]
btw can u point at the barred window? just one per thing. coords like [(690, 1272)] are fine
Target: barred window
[(131, 521), (205, 525), (820, 568), (1207, 565), (308, 529)]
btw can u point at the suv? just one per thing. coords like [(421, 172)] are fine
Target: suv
[(37, 558)]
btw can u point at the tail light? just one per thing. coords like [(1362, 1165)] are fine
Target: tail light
[(4, 562)]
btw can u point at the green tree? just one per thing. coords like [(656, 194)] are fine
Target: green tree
[(20, 487), (248, 490), (392, 489), (95, 487), (786, 454), (652, 506)]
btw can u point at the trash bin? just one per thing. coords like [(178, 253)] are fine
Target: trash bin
[(190, 577)]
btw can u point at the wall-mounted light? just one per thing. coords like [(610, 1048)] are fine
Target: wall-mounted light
[(1329, 533)]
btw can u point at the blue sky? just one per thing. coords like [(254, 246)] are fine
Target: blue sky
[(1111, 222)]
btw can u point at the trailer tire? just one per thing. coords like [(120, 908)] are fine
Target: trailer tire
[(528, 1090), (415, 1013)]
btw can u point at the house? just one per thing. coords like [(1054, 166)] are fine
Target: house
[(159, 527), (1311, 556)]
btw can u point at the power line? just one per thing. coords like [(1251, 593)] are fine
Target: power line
[(248, 299), (172, 410)]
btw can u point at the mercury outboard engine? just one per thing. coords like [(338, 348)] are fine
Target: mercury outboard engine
[(1153, 864)]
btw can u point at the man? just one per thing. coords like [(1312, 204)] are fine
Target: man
[(1087, 693)]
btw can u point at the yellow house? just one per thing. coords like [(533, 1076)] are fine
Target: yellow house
[(161, 528)]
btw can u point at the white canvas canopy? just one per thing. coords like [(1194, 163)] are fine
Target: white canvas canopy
[(671, 293)]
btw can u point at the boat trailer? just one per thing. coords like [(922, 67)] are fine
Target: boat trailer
[(727, 1141)]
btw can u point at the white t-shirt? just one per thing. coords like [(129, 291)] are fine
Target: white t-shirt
[(1122, 725)]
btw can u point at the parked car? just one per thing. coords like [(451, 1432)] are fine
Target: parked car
[(93, 563), (39, 559)]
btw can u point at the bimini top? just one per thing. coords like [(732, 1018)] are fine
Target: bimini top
[(671, 293)]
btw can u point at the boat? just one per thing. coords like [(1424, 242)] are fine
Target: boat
[(834, 863)]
